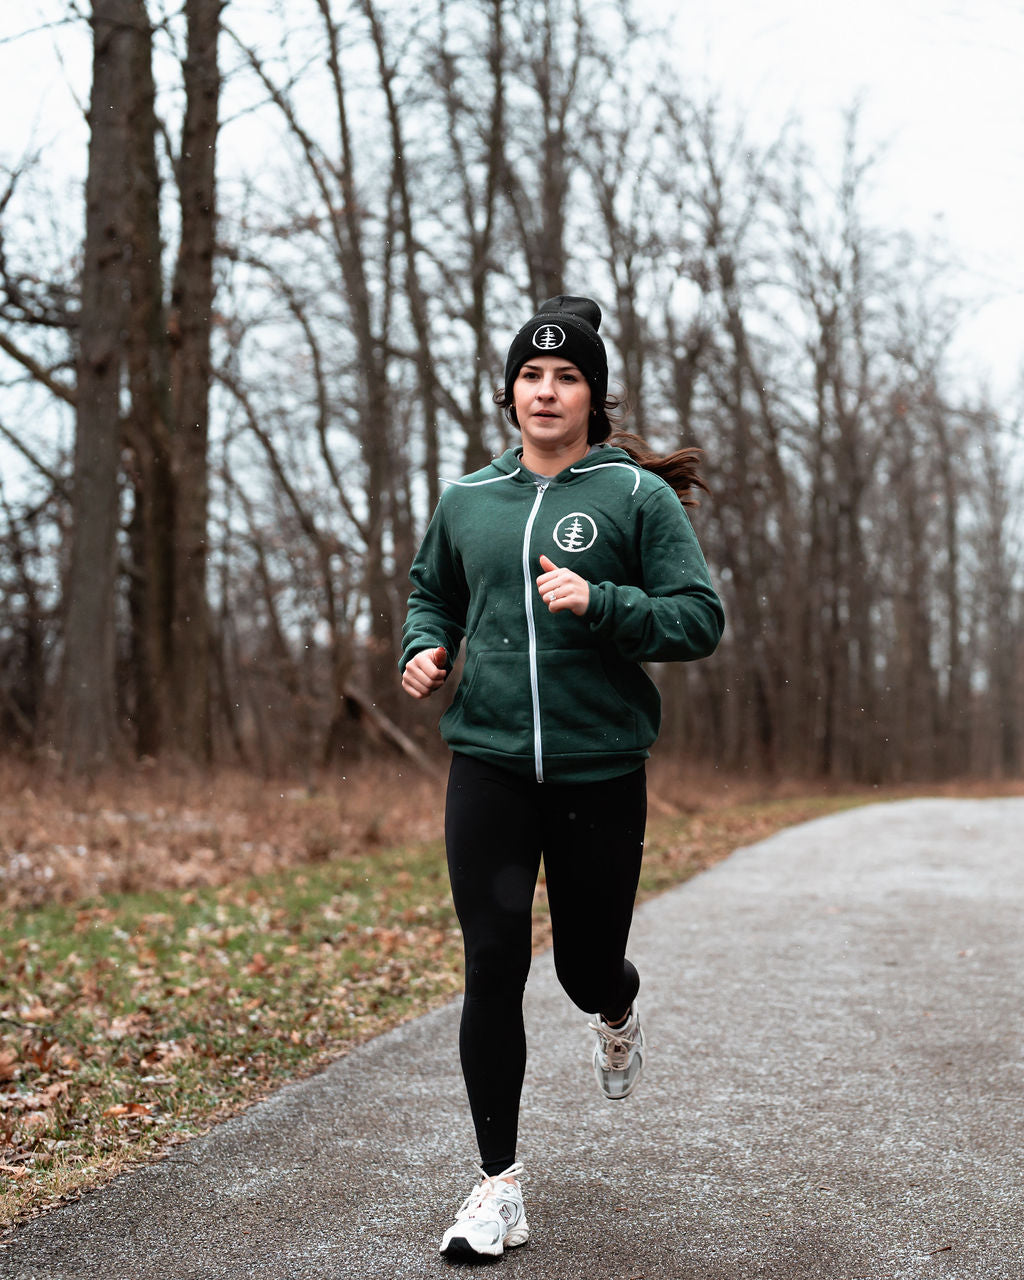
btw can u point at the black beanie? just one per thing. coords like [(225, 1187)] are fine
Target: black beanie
[(564, 326)]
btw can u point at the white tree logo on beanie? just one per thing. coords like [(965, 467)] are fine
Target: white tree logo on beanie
[(575, 532), (549, 337)]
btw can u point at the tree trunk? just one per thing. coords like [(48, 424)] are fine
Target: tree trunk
[(190, 326), (151, 532), (88, 728)]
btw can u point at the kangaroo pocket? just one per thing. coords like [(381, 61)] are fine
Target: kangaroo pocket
[(492, 708), (590, 706)]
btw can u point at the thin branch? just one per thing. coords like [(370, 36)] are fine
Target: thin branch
[(60, 389), (58, 484)]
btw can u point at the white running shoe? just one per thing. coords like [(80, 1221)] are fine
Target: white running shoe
[(491, 1220), (618, 1055)]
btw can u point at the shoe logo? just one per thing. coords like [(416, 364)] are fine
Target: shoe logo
[(507, 1212), (549, 338), (575, 532)]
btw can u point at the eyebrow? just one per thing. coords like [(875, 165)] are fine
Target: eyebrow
[(559, 368)]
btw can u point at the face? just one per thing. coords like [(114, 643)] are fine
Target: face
[(552, 402)]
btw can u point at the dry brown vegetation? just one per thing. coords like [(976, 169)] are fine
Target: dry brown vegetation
[(152, 830), (146, 830)]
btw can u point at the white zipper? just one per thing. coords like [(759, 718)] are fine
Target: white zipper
[(531, 631)]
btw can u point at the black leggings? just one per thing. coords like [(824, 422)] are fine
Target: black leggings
[(497, 825)]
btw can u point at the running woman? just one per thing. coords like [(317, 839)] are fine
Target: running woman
[(565, 564)]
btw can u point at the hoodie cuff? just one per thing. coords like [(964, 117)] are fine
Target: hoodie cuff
[(597, 608)]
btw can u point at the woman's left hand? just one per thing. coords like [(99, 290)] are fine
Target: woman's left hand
[(563, 589)]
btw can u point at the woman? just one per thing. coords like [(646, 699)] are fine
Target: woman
[(565, 564)]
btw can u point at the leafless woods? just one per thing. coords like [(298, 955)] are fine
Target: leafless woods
[(310, 232)]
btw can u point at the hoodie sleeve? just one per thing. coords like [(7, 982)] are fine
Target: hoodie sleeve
[(436, 613), (675, 615)]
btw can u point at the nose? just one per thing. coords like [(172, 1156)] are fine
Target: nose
[(546, 387)]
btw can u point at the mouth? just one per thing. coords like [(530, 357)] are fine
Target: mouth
[(544, 413)]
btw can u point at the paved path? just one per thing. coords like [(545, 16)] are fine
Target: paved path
[(835, 1091)]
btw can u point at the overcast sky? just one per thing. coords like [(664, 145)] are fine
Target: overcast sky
[(939, 83)]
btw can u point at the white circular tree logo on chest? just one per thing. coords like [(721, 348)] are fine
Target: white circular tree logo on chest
[(575, 532)]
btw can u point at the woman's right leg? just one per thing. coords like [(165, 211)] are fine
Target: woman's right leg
[(493, 842)]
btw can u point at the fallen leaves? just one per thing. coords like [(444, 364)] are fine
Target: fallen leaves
[(128, 1109), (146, 831), (154, 1015), (35, 1013)]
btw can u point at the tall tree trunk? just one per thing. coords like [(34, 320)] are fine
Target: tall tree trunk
[(540, 206), (426, 374), (374, 396), (151, 532), (88, 728), (190, 325), (476, 136)]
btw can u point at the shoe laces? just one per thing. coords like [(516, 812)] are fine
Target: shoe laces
[(616, 1042), (488, 1189)]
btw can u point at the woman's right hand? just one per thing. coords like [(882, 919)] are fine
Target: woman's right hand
[(425, 673)]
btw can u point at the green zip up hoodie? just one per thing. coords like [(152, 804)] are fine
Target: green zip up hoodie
[(552, 695)]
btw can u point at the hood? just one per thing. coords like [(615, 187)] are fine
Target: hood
[(600, 456)]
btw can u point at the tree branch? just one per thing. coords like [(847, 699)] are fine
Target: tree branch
[(58, 484), (60, 389)]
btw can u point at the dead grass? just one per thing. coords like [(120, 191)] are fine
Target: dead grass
[(153, 830), (695, 788), (164, 830)]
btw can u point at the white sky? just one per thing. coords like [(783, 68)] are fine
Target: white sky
[(940, 84), (941, 87)]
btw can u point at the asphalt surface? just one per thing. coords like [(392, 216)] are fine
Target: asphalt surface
[(834, 1091)]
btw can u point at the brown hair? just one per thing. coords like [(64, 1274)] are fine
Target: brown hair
[(677, 469)]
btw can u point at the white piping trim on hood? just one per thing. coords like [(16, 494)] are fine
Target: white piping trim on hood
[(598, 465), (472, 484)]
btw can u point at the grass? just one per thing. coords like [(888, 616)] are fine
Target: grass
[(132, 1021)]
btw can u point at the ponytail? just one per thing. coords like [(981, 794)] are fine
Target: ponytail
[(677, 469)]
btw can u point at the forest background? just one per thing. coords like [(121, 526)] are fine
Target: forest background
[(310, 231)]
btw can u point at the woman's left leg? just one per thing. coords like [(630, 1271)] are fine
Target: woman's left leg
[(493, 842), (593, 848)]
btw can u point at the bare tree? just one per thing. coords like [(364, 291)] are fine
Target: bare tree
[(148, 425), (89, 725), (474, 105), (190, 322)]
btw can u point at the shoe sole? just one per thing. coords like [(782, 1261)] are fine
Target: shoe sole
[(458, 1248), (618, 1097)]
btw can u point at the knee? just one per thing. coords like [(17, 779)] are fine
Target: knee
[(496, 970), (584, 989), (597, 990)]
